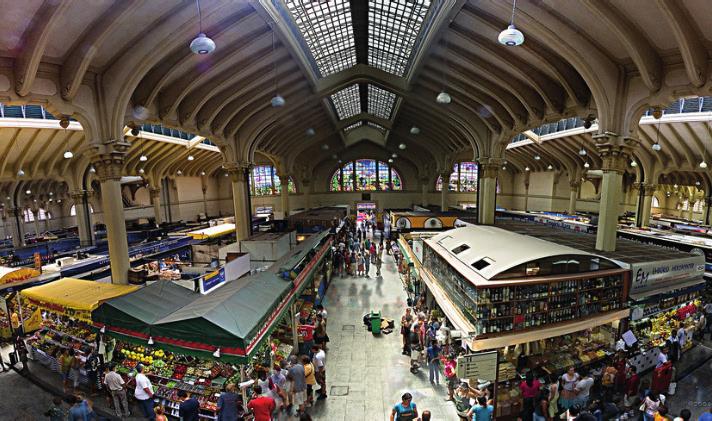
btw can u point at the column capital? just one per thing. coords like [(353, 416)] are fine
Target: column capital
[(489, 169), (284, 179), (109, 158), (575, 184), (154, 192), (237, 170), (615, 151), (648, 189)]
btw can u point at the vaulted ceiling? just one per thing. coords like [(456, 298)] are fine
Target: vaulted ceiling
[(354, 71)]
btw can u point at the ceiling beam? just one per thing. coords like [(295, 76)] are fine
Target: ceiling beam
[(694, 54)]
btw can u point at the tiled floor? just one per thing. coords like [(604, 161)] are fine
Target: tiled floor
[(369, 370)]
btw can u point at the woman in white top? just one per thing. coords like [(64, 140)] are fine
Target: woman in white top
[(569, 379), (651, 404)]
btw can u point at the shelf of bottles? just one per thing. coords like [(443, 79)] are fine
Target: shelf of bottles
[(514, 308), (520, 307)]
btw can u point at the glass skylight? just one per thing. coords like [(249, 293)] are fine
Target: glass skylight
[(327, 30), (377, 126), (347, 102), (394, 26), (380, 102), (353, 126)]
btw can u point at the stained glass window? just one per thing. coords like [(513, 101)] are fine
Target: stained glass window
[(462, 179), (366, 172), (348, 177), (265, 181), (383, 177), (396, 180)]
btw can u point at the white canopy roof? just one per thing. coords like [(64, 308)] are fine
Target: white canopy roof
[(500, 249)]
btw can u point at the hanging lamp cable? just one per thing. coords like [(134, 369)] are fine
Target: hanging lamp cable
[(514, 6), (200, 16)]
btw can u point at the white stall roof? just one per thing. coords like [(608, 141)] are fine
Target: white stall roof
[(485, 251)]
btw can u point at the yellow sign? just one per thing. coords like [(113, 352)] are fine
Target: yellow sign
[(34, 322)]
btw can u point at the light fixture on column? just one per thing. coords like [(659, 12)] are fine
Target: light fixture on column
[(277, 100), (537, 157), (28, 192), (549, 167), (703, 165), (402, 146), (216, 354), (51, 194), (586, 164), (511, 36), (310, 132), (20, 173), (415, 130), (179, 172), (201, 44), (191, 157), (141, 171), (633, 163)]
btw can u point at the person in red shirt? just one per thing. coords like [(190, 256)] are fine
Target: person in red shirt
[(261, 406), (632, 387)]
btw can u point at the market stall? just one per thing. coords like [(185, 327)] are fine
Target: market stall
[(212, 232), (14, 314), (540, 305), (66, 306)]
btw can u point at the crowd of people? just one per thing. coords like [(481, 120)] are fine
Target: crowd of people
[(356, 252)]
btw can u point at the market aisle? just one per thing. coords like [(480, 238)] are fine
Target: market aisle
[(693, 390), (366, 374)]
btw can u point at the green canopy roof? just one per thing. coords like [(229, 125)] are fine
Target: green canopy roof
[(140, 309), (228, 317), (291, 259)]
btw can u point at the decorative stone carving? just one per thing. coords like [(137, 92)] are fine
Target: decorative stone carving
[(615, 151), (237, 171), (109, 159)]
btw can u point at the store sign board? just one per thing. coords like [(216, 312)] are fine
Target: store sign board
[(651, 276), (212, 281), (482, 366), (418, 249)]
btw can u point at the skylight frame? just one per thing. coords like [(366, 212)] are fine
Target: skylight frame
[(353, 126), (347, 102), (380, 102), (327, 30), (393, 31), (377, 126)]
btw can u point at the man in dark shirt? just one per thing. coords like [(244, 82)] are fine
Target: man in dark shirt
[(188, 409)]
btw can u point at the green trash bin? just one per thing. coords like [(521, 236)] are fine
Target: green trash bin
[(376, 322)]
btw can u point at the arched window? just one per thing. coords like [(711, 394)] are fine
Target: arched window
[(656, 202), (462, 179), (697, 207), (29, 215), (43, 214), (264, 181), (365, 175), (73, 210)]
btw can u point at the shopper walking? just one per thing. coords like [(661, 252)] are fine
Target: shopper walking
[(227, 404), (379, 262), (310, 376), (480, 411), (81, 409), (553, 398), (632, 387), (433, 354), (451, 376), (406, 321), (568, 392), (583, 389), (319, 362), (530, 391), (300, 383), (144, 393), (367, 263), (541, 408), (405, 410), (261, 406), (117, 389), (74, 365), (685, 415), (650, 405)]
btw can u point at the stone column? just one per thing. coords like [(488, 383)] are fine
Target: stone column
[(243, 215), (306, 191), (109, 167), (425, 188), (204, 188), (156, 201), (647, 204), (444, 205), (84, 224), (487, 194), (284, 185), (16, 223), (36, 213), (575, 185), (615, 152), (708, 204)]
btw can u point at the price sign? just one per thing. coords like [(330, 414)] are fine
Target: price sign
[(482, 365)]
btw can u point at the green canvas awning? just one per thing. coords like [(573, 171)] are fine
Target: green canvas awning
[(139, 310), (228, 317)]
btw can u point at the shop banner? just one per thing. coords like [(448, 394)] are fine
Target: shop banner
[(418, 249), (652, 278), (211, 281), (34, 322), (481, 366), (83, 315)]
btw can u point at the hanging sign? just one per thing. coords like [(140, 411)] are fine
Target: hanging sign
[(211, 281), (481, 366)]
